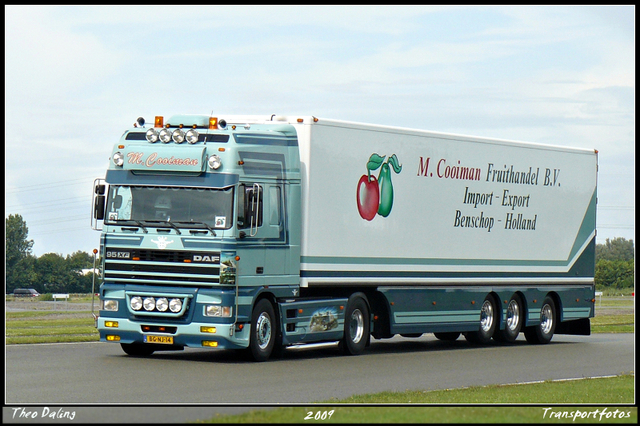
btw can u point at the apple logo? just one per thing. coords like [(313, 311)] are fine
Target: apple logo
[(368, 196), (375, 196)]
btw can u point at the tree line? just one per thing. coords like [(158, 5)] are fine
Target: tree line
[(49, 273), (53, 273), (615, 267)]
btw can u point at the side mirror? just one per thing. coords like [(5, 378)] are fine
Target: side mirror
[(98, 208), (99, 203)]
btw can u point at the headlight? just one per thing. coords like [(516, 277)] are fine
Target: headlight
[(118, 159), (192, 136), (217, 311), (177, 136), (136, 303), (110, 305), (162, 304), (215, 162), (165, 135), (152, 135), (149, 304), (175, 305)]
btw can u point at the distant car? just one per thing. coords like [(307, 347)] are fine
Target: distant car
[(25, 292)]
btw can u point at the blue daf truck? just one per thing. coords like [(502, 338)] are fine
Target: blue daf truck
[(256, 233)]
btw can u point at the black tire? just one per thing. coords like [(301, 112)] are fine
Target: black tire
[(514, 321), (543, 333), (488, 321), (137, 349), (356, 325), (447, 337), (263, 331)]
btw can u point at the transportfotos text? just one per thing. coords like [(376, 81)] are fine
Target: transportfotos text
[(597, 414)]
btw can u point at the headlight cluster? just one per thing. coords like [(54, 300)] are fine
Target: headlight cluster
[(217, 311), (178, 136), (151, 304), (109, 305)]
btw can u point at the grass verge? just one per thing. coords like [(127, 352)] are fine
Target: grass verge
[(49, 327), (615, 391)]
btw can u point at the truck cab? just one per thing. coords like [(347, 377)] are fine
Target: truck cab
[(198, 218)]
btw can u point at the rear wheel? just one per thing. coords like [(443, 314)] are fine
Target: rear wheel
[(488, 321), (543, 332), (513, 324), (356, 325)]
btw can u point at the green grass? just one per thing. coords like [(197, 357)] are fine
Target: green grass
[(613, 391), (50, 327), (613, 324)]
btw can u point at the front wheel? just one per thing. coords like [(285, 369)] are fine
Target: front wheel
[(137, 349), (543, 332), (356, 325), (263, 331)]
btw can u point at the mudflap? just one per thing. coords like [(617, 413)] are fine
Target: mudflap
[(579, 327)]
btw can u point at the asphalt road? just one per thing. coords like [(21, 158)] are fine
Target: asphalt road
[(100, 383)]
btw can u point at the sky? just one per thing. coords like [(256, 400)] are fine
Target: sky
[(77, 76)]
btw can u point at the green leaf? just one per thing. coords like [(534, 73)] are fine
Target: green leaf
[(393, 160), (375, 161)]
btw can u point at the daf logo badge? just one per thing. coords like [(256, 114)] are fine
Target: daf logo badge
[(162, 242)]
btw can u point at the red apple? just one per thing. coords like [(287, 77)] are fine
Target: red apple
[(368, 197)]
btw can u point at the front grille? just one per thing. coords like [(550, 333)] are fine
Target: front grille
[(163, 267)]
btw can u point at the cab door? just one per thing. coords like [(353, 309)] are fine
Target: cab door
[(261, 234)]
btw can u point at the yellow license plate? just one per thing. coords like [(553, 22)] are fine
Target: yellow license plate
[(164, 340)]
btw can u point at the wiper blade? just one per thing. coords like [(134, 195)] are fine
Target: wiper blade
[(167, 222), (141, 226), (137, 222), (201, 223)]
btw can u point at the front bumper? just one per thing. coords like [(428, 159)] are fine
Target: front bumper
[(190, 335)]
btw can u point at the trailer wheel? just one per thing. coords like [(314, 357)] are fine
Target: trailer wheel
[(448, 336), (263, 330), (513, 324), (356, 325), (543, 332), (488, 321), (137, 349)]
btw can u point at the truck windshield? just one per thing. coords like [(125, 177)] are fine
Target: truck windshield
[(184, 207)]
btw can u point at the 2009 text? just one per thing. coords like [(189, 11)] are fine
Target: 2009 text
[(319, 415)]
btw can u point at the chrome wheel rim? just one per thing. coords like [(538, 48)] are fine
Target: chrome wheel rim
[(546, 319), (356, 326), (513, 315), (263, 326), (486, 316)]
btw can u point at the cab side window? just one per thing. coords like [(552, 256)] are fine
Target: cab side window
[(250, 208)]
